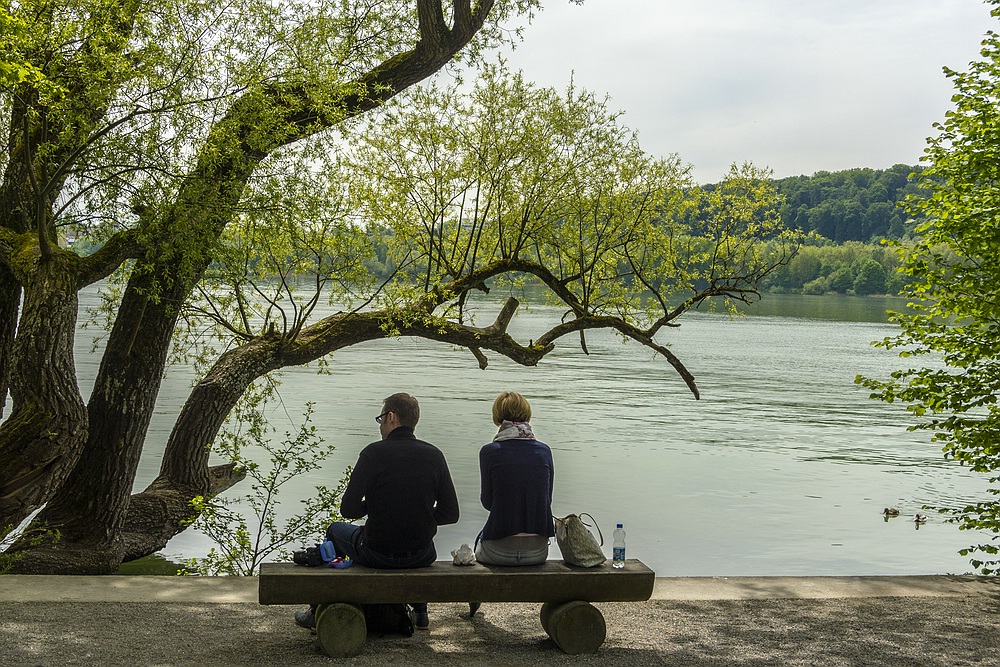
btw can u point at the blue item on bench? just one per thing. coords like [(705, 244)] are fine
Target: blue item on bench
[(327, 551)]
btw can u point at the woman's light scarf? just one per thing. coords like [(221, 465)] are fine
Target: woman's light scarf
[(514, 431)]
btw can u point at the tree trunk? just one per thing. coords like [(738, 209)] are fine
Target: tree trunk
[(159, 512), (10, 302), (90, 507), (45, 432)]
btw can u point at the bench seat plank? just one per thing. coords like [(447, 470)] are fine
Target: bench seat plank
[(553, 581)]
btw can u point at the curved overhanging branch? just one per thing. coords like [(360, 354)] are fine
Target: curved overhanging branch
[(224, 166), (437, 45), (585, 320), (344, 329), (647, 340), (493, 337), (642, 336)]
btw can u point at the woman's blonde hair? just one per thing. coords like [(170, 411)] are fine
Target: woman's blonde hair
[(511, 406)]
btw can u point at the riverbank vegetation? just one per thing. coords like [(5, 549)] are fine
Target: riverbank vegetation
[(850, 215), (853, 268), (954, 287)]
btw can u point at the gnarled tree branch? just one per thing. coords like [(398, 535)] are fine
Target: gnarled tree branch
[(120, 248)]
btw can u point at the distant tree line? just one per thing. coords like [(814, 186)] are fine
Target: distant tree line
[(847, 213), (821, 267)]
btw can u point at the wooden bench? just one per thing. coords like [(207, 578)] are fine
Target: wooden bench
[(575, 625)]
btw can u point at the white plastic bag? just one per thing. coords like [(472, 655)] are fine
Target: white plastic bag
[(463, 555)]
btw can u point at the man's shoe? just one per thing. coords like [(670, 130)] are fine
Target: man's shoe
[(420, 619), (473, 608), (306, 618)]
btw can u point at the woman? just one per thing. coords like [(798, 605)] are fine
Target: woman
[(517, 473)]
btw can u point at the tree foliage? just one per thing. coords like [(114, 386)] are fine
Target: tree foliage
[(851, 205), (954, 312), (853, 268), (234, 162), (242, 545)]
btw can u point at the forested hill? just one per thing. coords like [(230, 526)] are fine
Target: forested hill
[(851, 205), (852, 211)]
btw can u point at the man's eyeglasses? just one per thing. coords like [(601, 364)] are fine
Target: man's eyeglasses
[(378, 420)]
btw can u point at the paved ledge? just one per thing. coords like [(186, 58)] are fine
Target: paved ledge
[(131, 588), (814, 588), (228, 590)]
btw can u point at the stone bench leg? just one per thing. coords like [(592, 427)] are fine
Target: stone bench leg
[(341, 630), (576, 627)]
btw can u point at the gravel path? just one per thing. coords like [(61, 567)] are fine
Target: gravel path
[(903, 631)]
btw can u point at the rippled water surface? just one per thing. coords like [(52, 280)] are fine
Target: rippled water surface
[(782, 467)]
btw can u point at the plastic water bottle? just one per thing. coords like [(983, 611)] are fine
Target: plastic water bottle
[(618, 548)]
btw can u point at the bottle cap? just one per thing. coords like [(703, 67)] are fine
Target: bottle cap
[(619, 525)]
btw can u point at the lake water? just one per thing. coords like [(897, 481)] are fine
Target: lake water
[(782, 468)]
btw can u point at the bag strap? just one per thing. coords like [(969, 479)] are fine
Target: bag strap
[(583, 514)]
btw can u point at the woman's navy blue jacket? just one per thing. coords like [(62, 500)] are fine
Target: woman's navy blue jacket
[(517, 480)]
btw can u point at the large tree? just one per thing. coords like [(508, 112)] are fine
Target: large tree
[(220, 155), (954, 292)]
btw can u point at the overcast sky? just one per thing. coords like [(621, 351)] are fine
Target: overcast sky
[(799, 86)]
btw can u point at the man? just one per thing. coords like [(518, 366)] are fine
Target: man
[(403, 486)]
